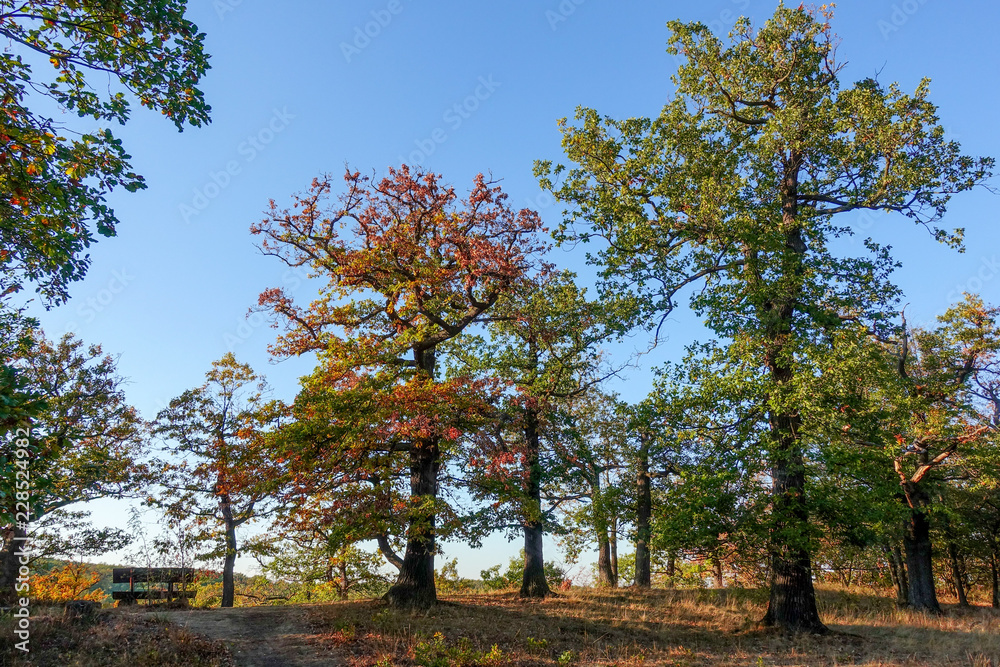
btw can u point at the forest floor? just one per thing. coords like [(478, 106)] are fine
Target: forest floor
[(109, 638), (676, 628), (679, 628), (272, 636)]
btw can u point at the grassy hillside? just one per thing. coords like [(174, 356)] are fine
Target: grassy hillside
[(673, 628), (663, 627)]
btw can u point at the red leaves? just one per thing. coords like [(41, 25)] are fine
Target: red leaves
[(435, 263), (409, 266)]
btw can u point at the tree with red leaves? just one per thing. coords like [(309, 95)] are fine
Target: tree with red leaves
[(410, 266), (545, 349)]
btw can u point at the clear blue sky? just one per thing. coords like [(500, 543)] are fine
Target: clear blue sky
[(297, 89)]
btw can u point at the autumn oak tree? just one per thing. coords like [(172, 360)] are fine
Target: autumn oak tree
[(410, 266), (737, 187), (938, 371), (218, 473)]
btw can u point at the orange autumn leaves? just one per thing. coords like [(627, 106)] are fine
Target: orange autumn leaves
[(71, 581), (409, 266)]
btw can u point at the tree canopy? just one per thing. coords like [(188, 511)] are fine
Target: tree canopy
[(54, 179), (736, 186)]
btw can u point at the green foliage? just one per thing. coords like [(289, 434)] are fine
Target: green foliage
[(52, 187), (736, 188), (566, 658), (68, 533), (713, 503), (319, 568), (216, 474), (495, 580), (537, 646), (87, 440), (542, 343), (439, 653), (448, 581)]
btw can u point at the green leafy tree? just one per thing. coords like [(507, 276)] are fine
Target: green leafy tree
[(54, 180), (929, 418), (889, 420), (543, 345), (320, 566), (592, 490), (937, 367), (218, 474), (737, 186), (714, 507), (497, 579), (85, 441)]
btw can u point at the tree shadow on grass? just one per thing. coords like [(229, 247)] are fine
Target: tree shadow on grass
[(624, 626)]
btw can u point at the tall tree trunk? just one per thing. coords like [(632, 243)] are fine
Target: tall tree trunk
[(229, 563), (343, 585), (995, 572), (717, 562), (644, 511), (13, 542), (613, 543), (605, 575), (919, 566), (533, 583), (672, 566), (414, 586), (605, 572), (897, 569), (792, 602), (956, 575)]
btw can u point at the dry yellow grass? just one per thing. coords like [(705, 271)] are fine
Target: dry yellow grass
[(661, 627), (111, 638)]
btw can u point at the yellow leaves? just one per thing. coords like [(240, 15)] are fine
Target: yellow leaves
[(72, 581)]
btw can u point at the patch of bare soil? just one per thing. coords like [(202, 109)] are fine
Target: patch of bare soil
[(276, 636)]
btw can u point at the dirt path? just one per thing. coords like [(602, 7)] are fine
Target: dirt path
[(258, 636)]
